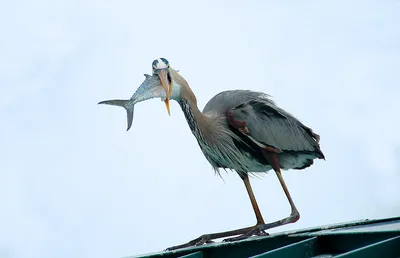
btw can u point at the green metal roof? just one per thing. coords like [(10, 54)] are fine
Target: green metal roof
[(365, 238)]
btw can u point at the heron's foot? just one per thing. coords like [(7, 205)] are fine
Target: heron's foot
[(257, 230), (201, 240)]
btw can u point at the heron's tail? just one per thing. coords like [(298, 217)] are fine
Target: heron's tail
[(129, 107)]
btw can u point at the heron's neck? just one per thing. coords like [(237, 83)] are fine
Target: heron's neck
[(195, 119)]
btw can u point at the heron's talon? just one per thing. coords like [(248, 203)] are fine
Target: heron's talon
[(201, 240), (257, 230), (262, 233), (233, 239), (204, 239)]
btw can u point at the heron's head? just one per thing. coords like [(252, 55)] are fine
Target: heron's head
[(162, 69)]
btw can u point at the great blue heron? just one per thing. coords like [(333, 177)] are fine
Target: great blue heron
[(244, 131)]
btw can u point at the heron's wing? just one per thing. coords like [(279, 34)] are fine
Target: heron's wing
[(225, 100), (271, 127)]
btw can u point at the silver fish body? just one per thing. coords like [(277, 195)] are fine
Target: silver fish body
[(149, 89)]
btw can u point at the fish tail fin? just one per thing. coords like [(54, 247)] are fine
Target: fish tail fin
[(122, 103)]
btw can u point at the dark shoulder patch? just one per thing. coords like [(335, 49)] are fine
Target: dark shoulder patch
[(267, 110)]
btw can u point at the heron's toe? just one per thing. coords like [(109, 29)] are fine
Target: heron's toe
[(256, 230)]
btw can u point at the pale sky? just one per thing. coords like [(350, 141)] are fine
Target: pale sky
[(74, 183)]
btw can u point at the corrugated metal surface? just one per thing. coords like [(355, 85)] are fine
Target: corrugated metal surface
[(366, 238)]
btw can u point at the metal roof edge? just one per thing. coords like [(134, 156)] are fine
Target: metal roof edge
[(273, 235)]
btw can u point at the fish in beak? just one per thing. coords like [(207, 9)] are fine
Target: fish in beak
[(149, 89), (158, 85), (166, 83)]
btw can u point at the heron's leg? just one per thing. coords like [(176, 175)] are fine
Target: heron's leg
[(208, 237), (272, 159), (294, 215), (254, 230), (259, 218), (253, 201)]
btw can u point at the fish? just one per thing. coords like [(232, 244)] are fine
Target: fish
[(149, 89)]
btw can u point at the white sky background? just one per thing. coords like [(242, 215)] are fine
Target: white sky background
[(74, 183)]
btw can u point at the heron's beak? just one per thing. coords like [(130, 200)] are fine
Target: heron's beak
[(167, 85)]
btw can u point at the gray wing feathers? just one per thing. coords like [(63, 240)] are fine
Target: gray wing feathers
[(225, 100), (268, 124), (274, 129)]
